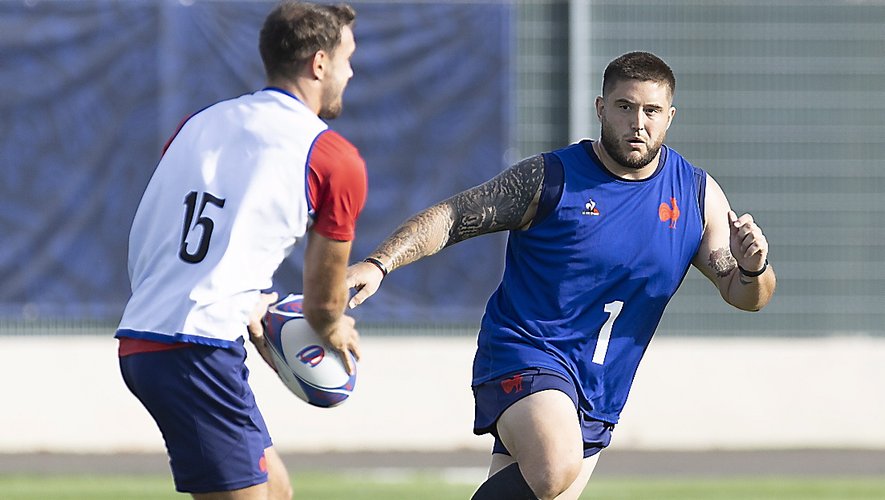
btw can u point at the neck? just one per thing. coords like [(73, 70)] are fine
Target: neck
[(304, 91), (619, 170)]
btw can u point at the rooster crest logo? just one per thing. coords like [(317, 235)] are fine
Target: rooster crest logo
[(669, 212), (590, 208)]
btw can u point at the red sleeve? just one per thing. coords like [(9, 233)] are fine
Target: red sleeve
[(337, 186), (177, 130)]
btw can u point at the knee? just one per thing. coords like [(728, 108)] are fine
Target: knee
[(280, 488), (282, 492), (554, 477)]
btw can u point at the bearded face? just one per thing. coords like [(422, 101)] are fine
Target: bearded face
[(339, 73), (332, 100), (626, 155), (634, 118)]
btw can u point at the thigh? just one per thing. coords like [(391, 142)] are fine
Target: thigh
[(278, 483), (542, 429), (277, 486), (201, 401), (255, 492)]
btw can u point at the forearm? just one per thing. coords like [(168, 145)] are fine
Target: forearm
[(750, 293), (325, 291), (424, 234)]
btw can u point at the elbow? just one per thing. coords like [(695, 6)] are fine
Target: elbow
[(750, 304), (752, 308)]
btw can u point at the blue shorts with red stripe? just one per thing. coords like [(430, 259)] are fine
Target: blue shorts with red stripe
[(201, 400), (495, 396)]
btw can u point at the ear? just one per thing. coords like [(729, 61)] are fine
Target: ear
[(319, 65), (599, 107), (672, 115)]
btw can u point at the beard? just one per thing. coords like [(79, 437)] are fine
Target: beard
[(331, 111), (332, 102), (613, 147)]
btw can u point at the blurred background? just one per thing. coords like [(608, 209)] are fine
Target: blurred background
[(782, 102), (779, 102)]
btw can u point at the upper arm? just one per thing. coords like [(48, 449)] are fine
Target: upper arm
[(337, 186), (714, 258), (507, 201)]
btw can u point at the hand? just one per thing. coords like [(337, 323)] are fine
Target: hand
[(365, 278), (256, 326), (748, 245), (344, 339)]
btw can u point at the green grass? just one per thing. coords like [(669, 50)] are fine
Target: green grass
[(307, 486), (431, 487), (749, 488)]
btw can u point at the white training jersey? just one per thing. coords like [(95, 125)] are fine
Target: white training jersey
[(224, 207)]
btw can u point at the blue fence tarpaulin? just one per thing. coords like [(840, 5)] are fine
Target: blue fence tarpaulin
[(92, 89)]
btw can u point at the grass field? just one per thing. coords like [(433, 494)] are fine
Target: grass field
[(430, 487)]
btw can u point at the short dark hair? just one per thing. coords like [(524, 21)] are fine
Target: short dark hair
[(294, 31), (643, 66)]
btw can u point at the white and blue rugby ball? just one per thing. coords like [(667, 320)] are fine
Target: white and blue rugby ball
[(305, 362)]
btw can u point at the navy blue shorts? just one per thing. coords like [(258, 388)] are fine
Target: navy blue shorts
[(495, 396), (201, 400)]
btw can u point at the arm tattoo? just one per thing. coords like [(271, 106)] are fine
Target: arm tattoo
[(499, 204), (722, 262)]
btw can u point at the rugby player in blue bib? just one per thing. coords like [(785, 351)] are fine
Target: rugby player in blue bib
[(602, 233)]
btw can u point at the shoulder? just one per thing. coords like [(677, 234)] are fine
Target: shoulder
[(674, 158), (331, 143), (333, 156)]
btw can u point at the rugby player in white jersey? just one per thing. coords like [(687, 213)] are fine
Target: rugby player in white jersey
[(238, 185)]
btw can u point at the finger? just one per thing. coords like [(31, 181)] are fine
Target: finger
[(745, 224), (264, 301), (746, 219), (753, 250), (256, 328), (753, 237), (351, 281), (355, 346), (359, 297), (732, 218), (748, 247), (348, 362)]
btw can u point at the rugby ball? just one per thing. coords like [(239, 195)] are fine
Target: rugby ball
[(304, 361)]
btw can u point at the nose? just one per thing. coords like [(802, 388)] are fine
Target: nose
[(638, 122)]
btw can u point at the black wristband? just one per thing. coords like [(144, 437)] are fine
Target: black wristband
[(753, 274), (377, 263)]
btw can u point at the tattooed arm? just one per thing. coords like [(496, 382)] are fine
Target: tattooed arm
[(730, 241), (507, 201)]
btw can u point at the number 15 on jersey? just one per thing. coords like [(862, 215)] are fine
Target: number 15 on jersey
[(194, 219)]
